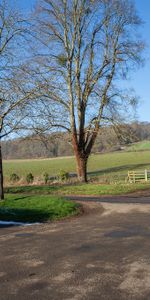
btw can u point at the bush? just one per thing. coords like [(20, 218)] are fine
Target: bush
[(46, 178), (14, 177), (29, 178), (63, 175)]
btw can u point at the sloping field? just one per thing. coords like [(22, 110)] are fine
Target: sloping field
[(109, 164), (144, 145)]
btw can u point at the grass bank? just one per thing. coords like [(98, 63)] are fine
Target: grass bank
[(24, 208), (80, 189)]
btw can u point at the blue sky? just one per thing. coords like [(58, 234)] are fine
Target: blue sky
[(140, 80)]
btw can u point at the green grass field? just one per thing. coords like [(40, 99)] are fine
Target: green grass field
[(102, 165), (25, 208)]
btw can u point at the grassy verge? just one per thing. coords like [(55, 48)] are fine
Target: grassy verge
[(23, 208), (81, 189)]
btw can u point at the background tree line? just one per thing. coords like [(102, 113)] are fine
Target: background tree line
[(58, 144)]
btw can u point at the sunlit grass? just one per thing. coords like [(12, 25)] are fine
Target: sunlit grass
[(109, 164), (79, 189), (37, 208)]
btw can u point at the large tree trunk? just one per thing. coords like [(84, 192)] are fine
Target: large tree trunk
[(81, 168), (81, 160), (82, 154), (1, 176)]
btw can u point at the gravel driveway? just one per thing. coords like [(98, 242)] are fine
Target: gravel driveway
[(101, 255)]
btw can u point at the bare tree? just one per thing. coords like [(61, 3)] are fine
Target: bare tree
[(82, 48), (15, 90)]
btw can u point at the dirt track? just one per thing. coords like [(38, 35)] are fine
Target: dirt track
[(104, 254)]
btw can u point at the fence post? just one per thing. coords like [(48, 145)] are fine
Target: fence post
[(145, 175)]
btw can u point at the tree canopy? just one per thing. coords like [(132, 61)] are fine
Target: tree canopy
[(83, 49)]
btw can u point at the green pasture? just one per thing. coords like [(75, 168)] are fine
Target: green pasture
[(38, 166), (106, 165)]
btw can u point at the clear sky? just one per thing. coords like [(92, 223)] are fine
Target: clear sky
[(140, 80)]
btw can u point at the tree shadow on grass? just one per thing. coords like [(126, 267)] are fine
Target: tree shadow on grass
[(24, 215), (119, 169), (45, 189), (110, 171), (21, 198)]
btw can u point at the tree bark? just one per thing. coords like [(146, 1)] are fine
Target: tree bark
[(81, 159), (1, 176), (81, 168)]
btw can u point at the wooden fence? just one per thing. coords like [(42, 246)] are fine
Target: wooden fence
[(139, 176)]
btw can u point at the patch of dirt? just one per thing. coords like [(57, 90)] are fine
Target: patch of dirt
[(140, 193), (91, 207), (123, 208), (137, 278)]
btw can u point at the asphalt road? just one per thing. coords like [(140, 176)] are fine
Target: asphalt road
[(101, 255), (112, 199)]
